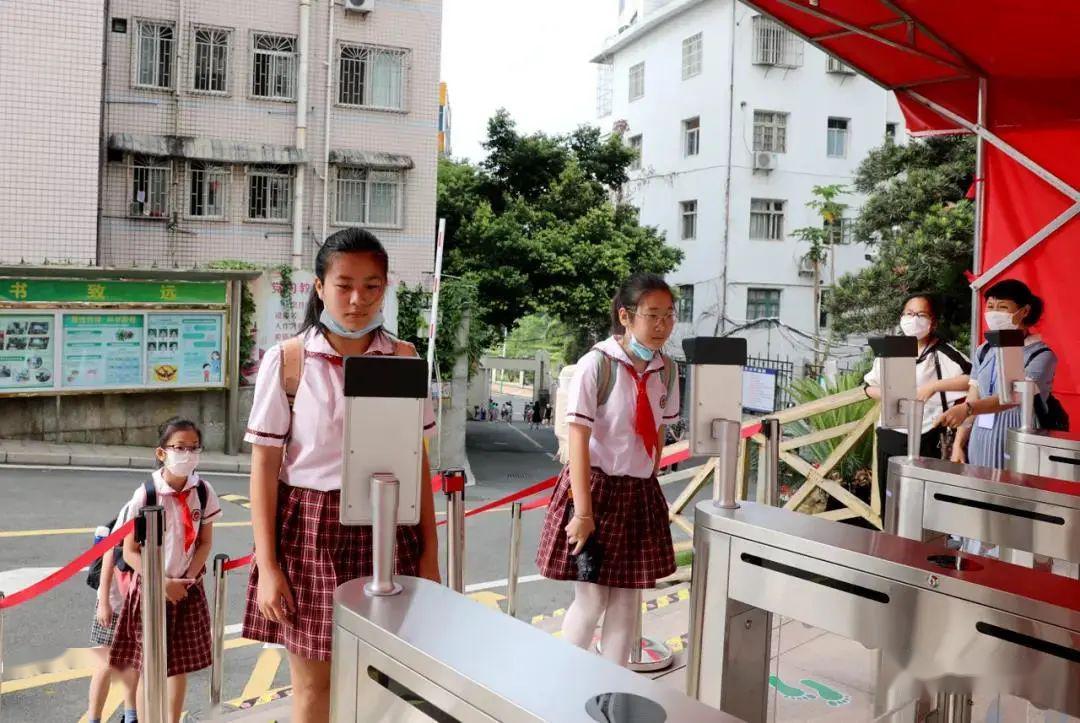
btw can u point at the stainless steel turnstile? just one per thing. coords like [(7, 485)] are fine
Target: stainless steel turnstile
[(1039, 515), (430, 653), (1050, 454), (943, 633)]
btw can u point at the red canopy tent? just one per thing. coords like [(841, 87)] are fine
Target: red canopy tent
[(1007, 71)]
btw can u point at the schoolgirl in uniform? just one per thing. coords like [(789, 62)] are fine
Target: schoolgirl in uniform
[(112, 585), (302, 551), (608, 495), (191, 507)]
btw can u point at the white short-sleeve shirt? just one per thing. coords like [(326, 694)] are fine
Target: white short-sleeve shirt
[(116, 595), (314, 436), (177, 558), (614, 445), (952, 364)]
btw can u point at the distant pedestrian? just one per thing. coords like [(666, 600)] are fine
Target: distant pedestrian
[(537, 415)]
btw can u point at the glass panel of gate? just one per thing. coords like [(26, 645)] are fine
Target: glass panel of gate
[(819, 676)]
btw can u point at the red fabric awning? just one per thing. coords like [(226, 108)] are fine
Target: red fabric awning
[(939, 50)]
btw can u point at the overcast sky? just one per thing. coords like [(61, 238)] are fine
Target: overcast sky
[(531, 57)]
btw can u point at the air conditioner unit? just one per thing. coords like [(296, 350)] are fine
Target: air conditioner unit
[(764, 161), (806, 266), (359, 6)]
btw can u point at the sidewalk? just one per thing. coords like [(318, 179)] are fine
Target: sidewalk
[(48, 454)]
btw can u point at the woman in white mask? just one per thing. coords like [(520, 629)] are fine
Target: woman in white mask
[(982, 420), (941, 373)]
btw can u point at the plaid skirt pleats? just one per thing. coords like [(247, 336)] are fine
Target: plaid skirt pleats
[(187, 632), (632, 531), (317, 554)]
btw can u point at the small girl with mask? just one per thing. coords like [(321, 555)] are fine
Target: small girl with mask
[(191, 506), (607, 524)]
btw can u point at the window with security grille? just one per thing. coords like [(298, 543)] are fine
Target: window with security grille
[(372, 77), (149, 187), (635, 143), (688, 212), (369, 197), (762, 304), (208, 185), (273, 67), (766, 219), (691, 136), (835, 65), (685, 304), (156, 50), (774, 45), (890, 132), (211, 60), (770, 131), (691, 56), (270, 193), (637, 81), (837, 137)]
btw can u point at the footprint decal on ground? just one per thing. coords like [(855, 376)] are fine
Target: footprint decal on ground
[(833, 697), (789, 691)]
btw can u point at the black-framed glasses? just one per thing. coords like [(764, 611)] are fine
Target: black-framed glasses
[(182, 448), (917, 315)]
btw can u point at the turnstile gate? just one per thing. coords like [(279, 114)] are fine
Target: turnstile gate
[(943, 633), (1049, 454), (429, 653)]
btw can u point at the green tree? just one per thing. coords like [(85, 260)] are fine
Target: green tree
[(537, 228), (821, 237), (917, 216)]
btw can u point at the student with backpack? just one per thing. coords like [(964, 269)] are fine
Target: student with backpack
[(982, 420), (191, 507), (110, 578), (302, 551), (607, 523)]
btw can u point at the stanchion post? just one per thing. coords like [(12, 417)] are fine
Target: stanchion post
[(635, 646), (453, 485), (155, 666), (515, 559), (770, 428), (1, 653), (384, 504), (953, 708), (217, 660)]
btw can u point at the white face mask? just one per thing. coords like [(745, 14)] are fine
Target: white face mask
[(181, 464), (915, 326), (1000, 321)]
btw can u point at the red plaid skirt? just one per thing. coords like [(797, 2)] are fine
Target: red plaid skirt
[(632, 530), (317, 554), (187, 632)]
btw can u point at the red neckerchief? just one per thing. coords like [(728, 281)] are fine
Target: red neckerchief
[(644, 421), (186, 518)]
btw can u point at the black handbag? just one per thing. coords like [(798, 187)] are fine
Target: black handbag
[(591, 557)]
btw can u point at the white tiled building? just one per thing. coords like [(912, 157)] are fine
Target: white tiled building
[(212, 153), (727, 175)]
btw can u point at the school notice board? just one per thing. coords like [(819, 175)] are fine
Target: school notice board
[(85, 351)]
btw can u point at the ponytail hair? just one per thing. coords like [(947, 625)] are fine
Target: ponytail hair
[(629, 296), (346, 241)]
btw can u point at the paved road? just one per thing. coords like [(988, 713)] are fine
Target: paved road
[(45, 513), (43, 524)]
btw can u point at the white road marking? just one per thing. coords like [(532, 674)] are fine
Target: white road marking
[(553, 457), (477, 586)]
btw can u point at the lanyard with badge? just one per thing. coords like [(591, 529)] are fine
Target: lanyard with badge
[(986, 421)]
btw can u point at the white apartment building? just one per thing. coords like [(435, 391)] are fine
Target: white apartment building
[(736, 120), (50, 128), (251, 131)]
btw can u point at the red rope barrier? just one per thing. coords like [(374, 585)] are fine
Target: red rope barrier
[(239, 562), (65, 573)]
